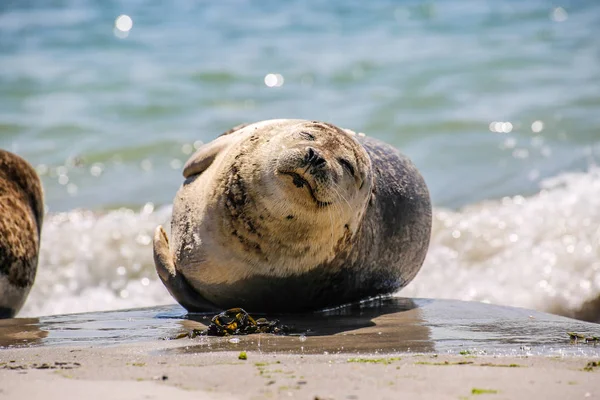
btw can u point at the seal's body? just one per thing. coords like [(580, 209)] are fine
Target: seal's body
[(293, 215), (21, 217)]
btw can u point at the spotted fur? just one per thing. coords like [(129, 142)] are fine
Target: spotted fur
[(286, 225), (21, 218)]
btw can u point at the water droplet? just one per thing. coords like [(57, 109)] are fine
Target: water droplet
[(148, 208), (96, 169), (507, 127), (537, 126), (124, 23), (187, 149), (274, 80)]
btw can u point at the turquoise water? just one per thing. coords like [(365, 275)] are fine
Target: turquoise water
[(108, 118), (428, 77)]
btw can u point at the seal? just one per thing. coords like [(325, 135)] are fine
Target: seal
[(291, 216), (21, 218)]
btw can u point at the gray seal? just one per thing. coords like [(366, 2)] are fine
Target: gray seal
[(21, 217), (292, 216)]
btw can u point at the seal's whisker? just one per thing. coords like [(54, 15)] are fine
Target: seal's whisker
[(331, 223), (335, 186), (336, 205)]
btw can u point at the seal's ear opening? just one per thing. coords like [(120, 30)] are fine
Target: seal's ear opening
[(205, 155)]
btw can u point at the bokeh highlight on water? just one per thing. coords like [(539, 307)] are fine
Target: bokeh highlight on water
[(496, 102)]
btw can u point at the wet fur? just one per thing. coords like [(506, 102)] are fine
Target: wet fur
[(21, 217), (378, 253)]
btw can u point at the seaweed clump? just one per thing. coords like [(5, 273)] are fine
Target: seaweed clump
[(578, 337), (591, 366), (235, 322)]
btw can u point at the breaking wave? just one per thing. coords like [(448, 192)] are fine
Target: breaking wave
[(540, 252)]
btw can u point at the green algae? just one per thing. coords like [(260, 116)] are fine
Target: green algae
[(477, 391), (385, 361)]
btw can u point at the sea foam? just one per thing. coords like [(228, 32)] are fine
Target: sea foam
[(540, 252), (97, 262)]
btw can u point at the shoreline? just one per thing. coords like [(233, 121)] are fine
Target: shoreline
[(143, 370), (384, 349)]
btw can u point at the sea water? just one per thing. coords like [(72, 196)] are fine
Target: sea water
[(497, 103)]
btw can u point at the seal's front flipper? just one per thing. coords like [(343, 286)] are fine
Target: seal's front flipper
[(176, 283)]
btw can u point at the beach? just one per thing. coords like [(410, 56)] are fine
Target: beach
[(132, 372), (414, 349)]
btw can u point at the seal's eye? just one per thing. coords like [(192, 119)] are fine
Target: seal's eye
[(307, 136), (346, 164)]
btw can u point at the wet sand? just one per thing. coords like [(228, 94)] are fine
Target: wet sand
[(389, 348)]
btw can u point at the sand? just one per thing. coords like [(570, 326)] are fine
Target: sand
[(411, 350), (144, 372)]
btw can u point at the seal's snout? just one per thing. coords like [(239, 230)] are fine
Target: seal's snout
[(314, 159)]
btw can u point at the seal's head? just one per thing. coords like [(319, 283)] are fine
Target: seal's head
[(278, 197), (314, 178), (318, 165), (292, 193)]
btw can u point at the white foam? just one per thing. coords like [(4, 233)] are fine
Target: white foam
[(92, 262), (541, 252)]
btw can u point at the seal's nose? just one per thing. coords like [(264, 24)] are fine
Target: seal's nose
[(314, 159)]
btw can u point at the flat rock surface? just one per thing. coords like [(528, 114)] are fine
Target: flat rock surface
[(379, 349)]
